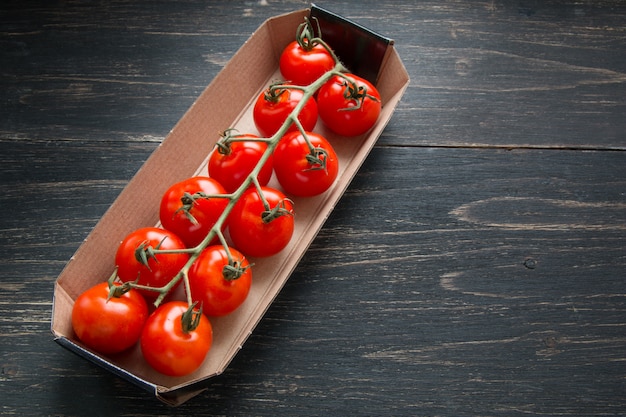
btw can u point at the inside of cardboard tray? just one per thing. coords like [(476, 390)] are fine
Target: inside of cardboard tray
[(269, 274)]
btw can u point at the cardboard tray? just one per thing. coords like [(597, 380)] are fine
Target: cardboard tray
[(227, 102)]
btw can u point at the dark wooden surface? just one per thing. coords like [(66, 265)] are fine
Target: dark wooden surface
[(475, 267)]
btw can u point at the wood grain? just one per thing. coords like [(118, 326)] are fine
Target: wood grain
[(475, 266)]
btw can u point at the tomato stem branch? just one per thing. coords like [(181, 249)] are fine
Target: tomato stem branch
[(191, 318), (306, 34)]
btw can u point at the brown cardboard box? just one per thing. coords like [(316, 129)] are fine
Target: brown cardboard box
[(225, 103)]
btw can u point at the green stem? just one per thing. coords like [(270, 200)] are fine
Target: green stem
[(272, 142)]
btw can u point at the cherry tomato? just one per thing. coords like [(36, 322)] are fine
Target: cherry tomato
[(168, 348), (302, 64), (273, 106), (218, 285), (348, 111), (257, 230), (230, 165), (109, 325), (158, 269), (302, 172), (188, 215)]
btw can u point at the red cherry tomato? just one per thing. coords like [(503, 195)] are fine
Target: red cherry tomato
[(302, 64), (257, 230), (108, 325), (218, 285), (160, 268), (231, 164), (168, 348), (348, 111), (188, 215), (273, 106), (302, 172)]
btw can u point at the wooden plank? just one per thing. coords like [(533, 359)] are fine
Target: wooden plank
[(417, 296), (531, 74), (541, 75)]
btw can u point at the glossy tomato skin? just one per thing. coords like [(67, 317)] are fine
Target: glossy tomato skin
[(250, 234), (217, 294), (108, 326), (333, 104), (296, 175), (231, 169), (161, 269), (269, 115), (301, 66), (205, 211), (167, 348)]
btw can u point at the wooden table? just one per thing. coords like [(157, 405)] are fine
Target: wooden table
[(475, 266)]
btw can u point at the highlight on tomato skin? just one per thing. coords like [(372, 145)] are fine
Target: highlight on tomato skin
[(170, 350), (109, 325)]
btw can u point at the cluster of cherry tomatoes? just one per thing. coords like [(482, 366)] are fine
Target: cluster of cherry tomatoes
[(210, 225)]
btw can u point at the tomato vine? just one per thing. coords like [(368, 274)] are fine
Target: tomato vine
[(317, 158)]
